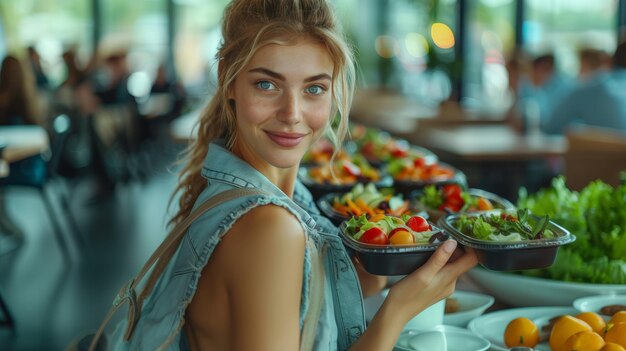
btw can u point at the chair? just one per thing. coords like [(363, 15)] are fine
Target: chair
[(39, 171), (7, 320), (594, 153)]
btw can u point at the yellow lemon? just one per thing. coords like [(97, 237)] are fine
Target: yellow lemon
[(521, 332), (565, 327)]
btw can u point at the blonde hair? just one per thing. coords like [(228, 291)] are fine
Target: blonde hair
[(247, 26)]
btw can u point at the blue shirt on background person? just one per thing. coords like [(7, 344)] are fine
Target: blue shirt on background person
[(600, 102)]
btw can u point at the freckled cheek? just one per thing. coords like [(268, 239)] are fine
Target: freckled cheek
[(318, 116), (255, 111)]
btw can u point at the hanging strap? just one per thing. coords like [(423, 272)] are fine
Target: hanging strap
[(316, 298), (159, 259)]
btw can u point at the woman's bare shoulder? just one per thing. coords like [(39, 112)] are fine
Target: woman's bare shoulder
[(264, 236)]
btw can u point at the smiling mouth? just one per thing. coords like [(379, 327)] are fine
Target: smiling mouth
[(285, 139)]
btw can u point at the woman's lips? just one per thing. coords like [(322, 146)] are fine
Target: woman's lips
[(285, 139)]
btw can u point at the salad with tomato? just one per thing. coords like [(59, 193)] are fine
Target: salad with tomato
[(418, 169), (379, 147), (346, 170), (505, 227), (453, 198), (390, 230), (368, 200)]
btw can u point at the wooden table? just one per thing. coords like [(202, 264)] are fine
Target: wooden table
[(495, 157), (21, 142)]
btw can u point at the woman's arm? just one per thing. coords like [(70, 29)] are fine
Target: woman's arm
[(264, 273), (434, 281)]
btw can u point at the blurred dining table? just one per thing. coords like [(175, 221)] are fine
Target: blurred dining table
[(489, 142), (20, 142), (495, 156)]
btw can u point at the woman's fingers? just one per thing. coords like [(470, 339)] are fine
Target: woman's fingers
[(462, 264), (437, 261)]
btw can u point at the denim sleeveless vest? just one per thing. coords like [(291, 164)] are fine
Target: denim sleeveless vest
[(342, 317)]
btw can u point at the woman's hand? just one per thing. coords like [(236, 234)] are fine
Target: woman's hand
[(434, 281), (430, 283)]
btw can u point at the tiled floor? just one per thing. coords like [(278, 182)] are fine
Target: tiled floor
[(54, 300)]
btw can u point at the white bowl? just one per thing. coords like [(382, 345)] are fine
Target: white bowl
[(519, 290), (441, 338), (426, 320), (595, 303), (471, 305)]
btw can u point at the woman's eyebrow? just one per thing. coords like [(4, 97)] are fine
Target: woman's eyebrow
[(281, 77)]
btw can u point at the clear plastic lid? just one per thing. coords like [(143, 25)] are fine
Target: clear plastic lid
[(562, 236)]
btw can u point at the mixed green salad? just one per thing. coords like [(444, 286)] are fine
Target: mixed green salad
[(596, 215), (504, 227)]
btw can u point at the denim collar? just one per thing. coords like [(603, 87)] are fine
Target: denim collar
[(222, 165)]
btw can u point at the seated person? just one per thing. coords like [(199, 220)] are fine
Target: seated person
[(539, 94), (599, 102)]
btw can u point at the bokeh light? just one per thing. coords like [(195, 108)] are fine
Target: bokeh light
[(442, 35), (416, 45), (386, 46)]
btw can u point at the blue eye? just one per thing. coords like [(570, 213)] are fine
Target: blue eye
[(265, 85), (315, 90)]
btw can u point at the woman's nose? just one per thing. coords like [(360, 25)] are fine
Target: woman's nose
[(291, 108)]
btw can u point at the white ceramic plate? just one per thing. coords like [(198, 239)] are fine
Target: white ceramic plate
[(443, 337), (595, 303), (471, 305), (491, 326), (518, 290)]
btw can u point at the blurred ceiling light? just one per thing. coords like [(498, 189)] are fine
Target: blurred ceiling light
[(416, 44), (442, 35), (386, 46), (139, 84)]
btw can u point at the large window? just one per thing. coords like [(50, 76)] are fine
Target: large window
[(562, 27), (489, 40), (140, 28), (406, 45), (198, 35)]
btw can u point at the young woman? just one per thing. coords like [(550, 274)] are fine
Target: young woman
[(246, 273)]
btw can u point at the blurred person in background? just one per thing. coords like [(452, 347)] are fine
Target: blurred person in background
[(74, 75), (114, 121), (517, 68), (592, 61), (543, 89), (600, 101), (34, 59), (73, 98), (165, 103), (18, 99), (18, 106)]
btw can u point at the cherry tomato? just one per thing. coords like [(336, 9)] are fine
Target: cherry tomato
[(451, 207), (401, 237), (419, 162), (449, 190), (398, 153), (375, 236), (418, 224), (455, 200), (393, 231), (369, 150), (484, 204), (351, 168)]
